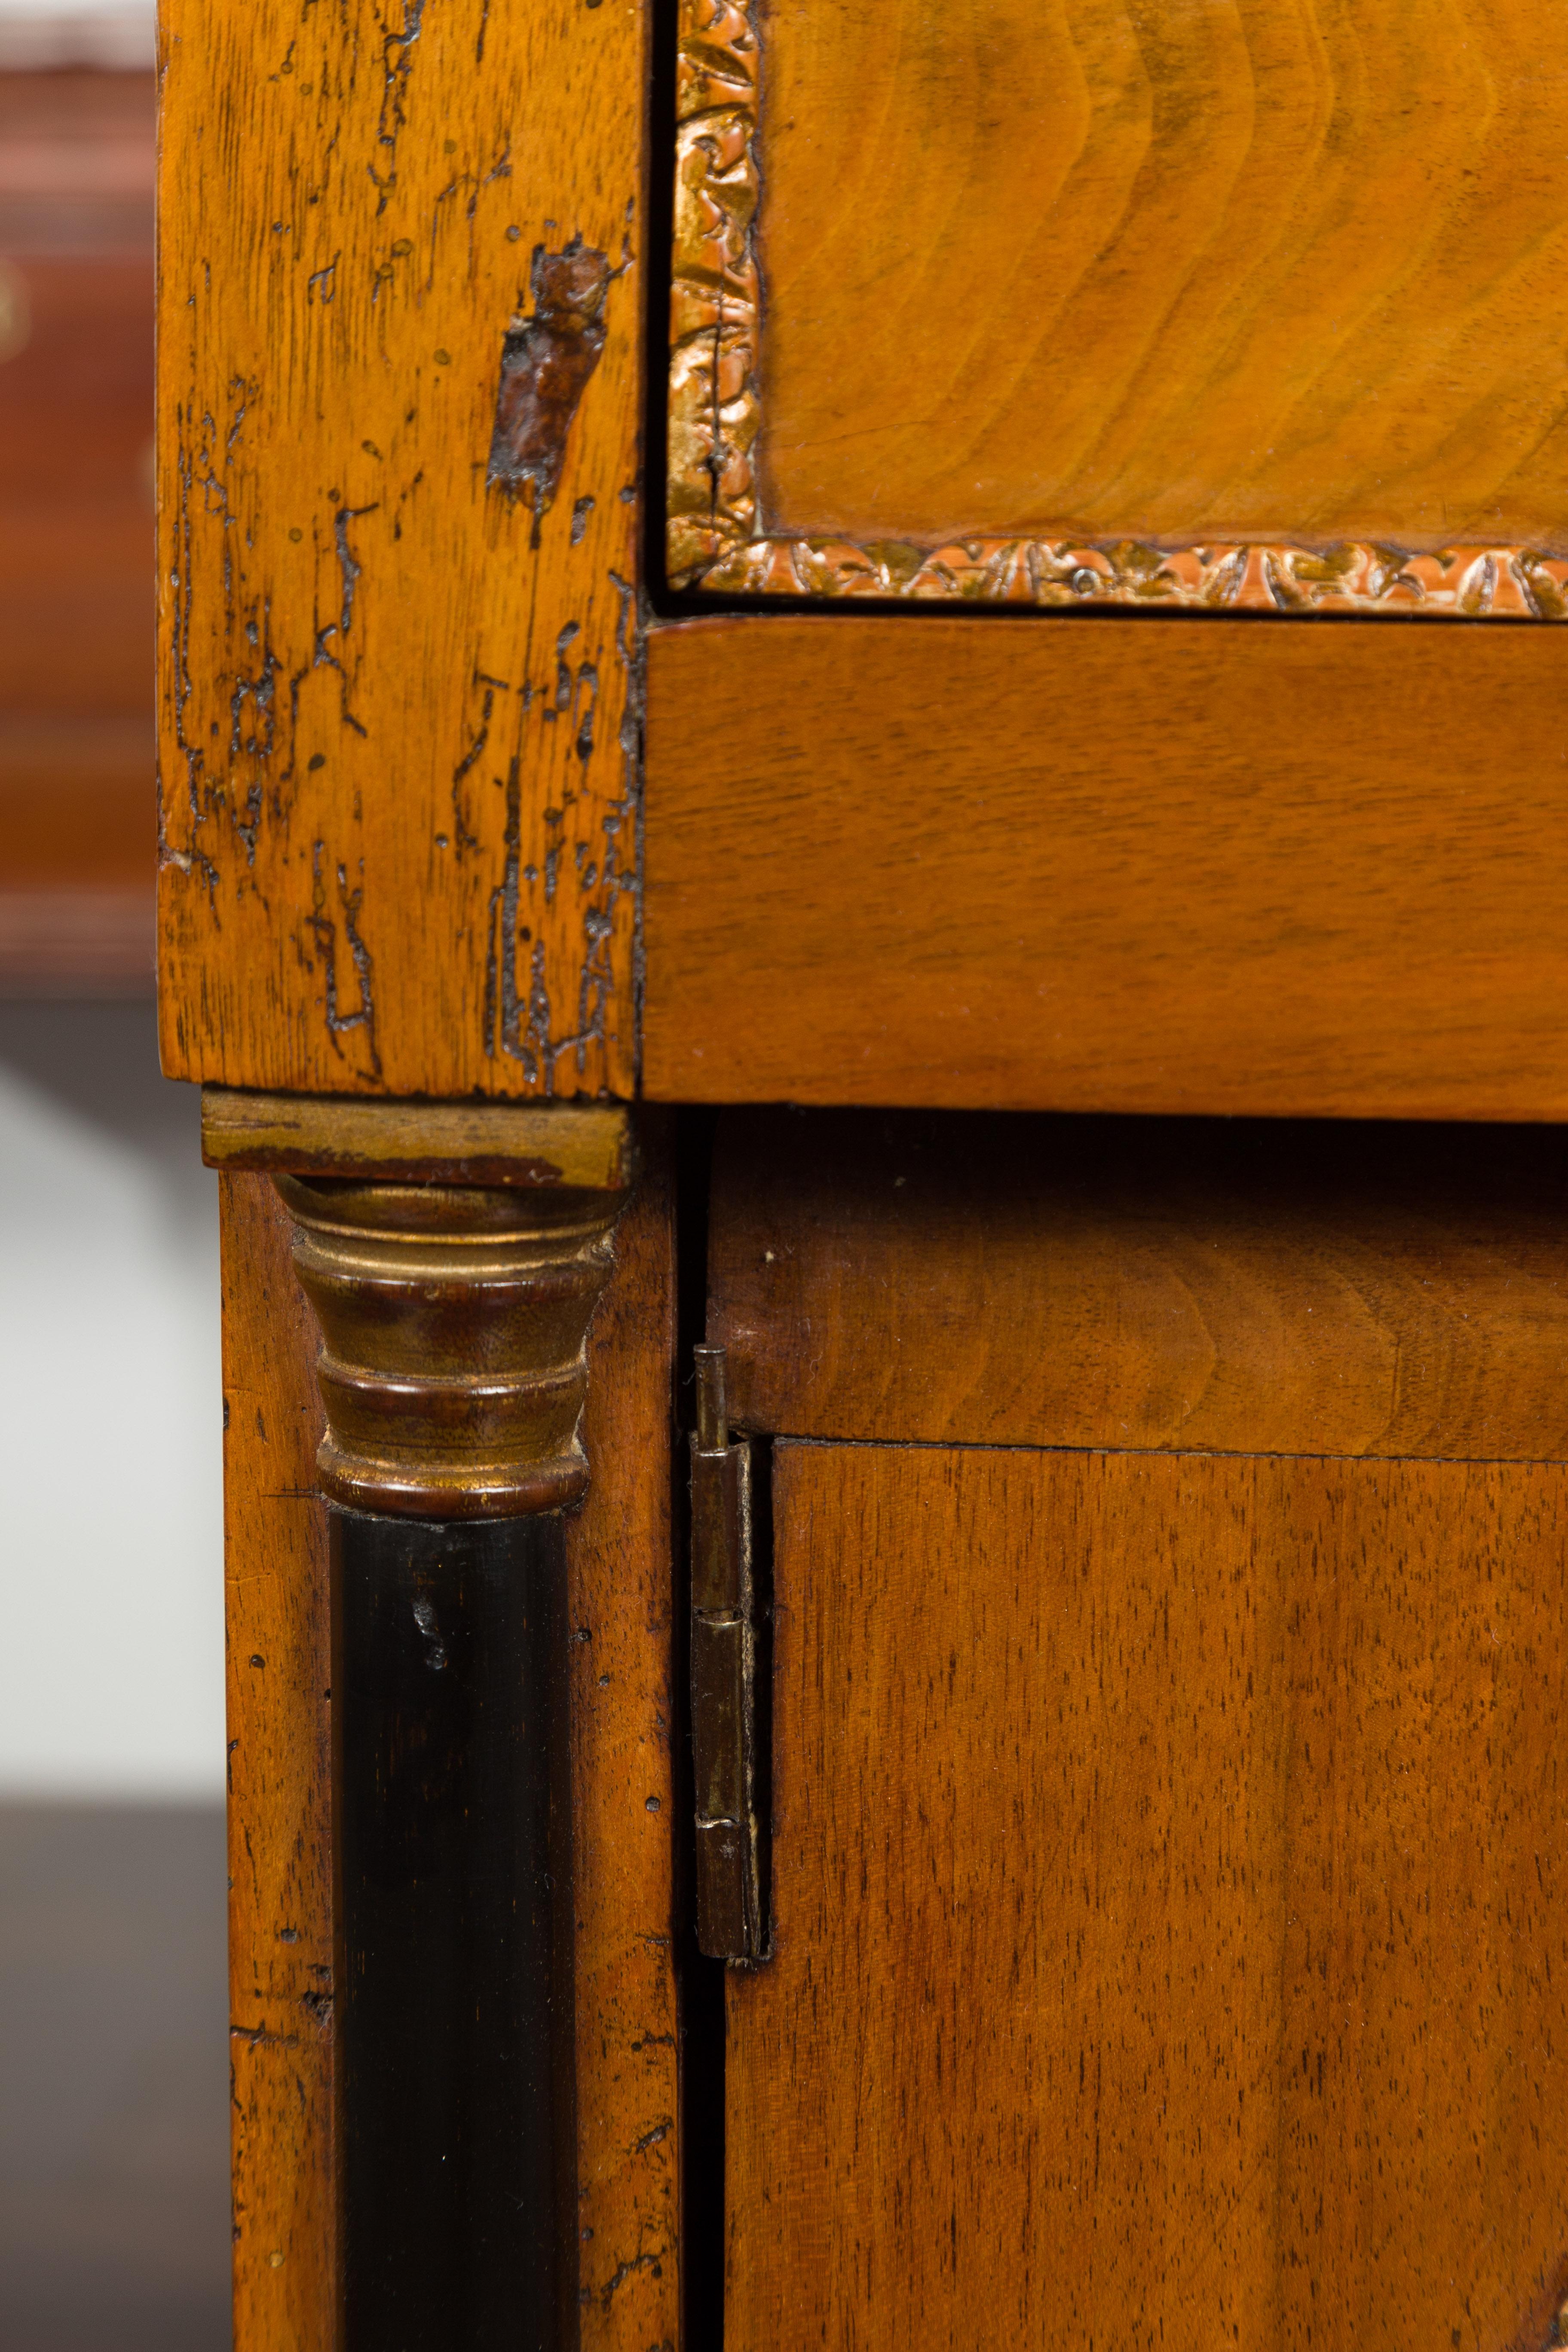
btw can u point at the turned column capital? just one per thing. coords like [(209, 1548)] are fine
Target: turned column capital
[(454, 1254)]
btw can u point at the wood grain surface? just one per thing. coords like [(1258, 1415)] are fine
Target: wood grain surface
[(1166, 270), (1105, 864), (279, 1788), (396, 648), (1168, 1907), (1239, 1288), (620, 1561), (279, 1828)]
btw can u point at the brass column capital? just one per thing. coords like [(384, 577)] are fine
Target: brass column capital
[(454, 1254)]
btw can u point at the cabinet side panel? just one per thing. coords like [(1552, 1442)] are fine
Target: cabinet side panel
[(279, 1788), (399, 368), (1167, 1911), (618, 1550)]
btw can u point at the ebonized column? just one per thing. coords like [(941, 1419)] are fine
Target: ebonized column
[(456, 2122), (454, 1316)]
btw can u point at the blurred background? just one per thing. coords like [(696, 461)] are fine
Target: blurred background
[(114, 2065)]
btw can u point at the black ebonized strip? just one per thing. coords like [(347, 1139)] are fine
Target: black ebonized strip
[(455, 2112)]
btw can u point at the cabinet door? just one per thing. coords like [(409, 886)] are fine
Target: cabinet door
[(1169, 1603)]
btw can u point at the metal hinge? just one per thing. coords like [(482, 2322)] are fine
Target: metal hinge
[(723, 1677)]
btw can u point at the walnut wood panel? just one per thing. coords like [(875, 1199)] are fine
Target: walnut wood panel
[(280, 1862), (399, 370), (1164, 271), (1168, 1907), (1104, 863), (279, 1788), (1241, 1287)]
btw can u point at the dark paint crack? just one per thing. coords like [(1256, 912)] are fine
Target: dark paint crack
[(325, 931)]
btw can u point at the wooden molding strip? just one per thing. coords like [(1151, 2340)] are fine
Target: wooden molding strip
[(716, 539), (957, 899), (585, 1147)]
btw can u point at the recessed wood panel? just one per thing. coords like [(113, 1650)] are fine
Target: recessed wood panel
[(1172, 270), (1168, 1913), (1104, 863), (1241, 1287)]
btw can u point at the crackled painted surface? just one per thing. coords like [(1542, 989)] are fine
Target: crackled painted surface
[(398, 824)]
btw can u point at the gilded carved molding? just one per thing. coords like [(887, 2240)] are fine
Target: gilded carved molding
[(717, 540), (714, 298)]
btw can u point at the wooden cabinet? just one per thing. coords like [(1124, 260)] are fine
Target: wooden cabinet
[(996, 575)]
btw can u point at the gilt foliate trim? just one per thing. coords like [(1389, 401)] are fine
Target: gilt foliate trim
[(716, 538)]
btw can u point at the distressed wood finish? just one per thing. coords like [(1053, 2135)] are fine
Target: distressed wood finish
[(280, 1789), (618, 1551), (1249, 1287), (1167, 1905), (399, 375), (1106, 865), (280, 1864), (1247, 310), (582, 1147)]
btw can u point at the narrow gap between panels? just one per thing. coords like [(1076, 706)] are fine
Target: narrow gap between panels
[(701, 1979), (1160, 1452)]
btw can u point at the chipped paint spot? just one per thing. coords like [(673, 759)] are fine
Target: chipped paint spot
[(546, 362)]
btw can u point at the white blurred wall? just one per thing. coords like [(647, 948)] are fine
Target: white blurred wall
[(116, 34), (110, 1415)]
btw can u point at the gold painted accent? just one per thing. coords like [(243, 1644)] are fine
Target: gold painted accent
[(453, 1253), (713, 408), (454, 1321), (716, 540), (587, 1148)]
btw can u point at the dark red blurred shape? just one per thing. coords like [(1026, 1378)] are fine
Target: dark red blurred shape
[(78, 828)]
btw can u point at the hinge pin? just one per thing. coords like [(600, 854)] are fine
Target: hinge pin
[(712, 1409), (723, 1659)]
